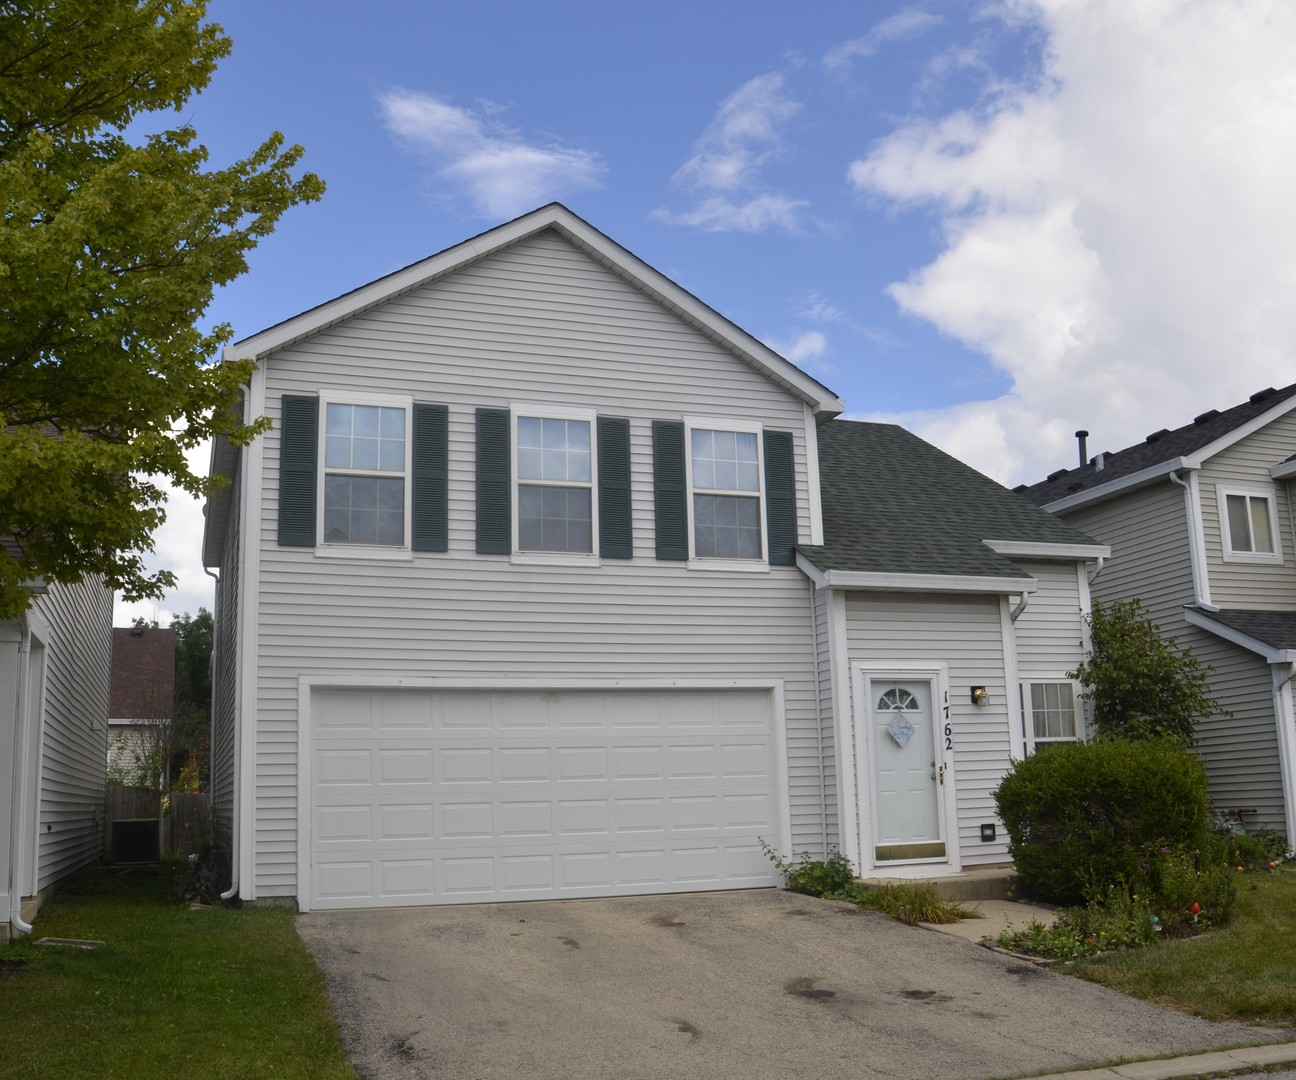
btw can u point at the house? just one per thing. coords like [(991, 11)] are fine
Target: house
[(54, 677), (142, 701), (1199, 520), (549, 581)]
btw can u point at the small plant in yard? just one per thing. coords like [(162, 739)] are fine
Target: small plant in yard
[(833, 878), (1113, 921)]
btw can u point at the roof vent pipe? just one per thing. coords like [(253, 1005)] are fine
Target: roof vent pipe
[(1084, 457)]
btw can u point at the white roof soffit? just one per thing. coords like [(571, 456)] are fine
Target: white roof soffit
[(939, 583), (596, 244), (1027, 549), (1139, 479), (1284, 470), (1246, 641)]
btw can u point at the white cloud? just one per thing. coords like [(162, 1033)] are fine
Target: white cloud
[(907, 23), (1119, 232), (726, 172), (501, 174), (807, 350), (178, 548)]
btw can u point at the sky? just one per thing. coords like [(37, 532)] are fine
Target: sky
[(994, 222)]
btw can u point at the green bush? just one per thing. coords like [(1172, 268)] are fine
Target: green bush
[(1081, 816)]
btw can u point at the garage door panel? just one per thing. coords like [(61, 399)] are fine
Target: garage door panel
[(460, 796)]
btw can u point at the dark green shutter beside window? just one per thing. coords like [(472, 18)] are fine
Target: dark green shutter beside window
[(494, 517), (670, 494), (780, 498), (298, 479), (616, 540), (429, 524)]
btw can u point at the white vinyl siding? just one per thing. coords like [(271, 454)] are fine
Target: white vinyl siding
[(965, 634), (827, 727), (1256, 582), (542, 323), (78, 673)]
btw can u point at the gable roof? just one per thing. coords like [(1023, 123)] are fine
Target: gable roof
[(598, 246), (1160, 453), (1272, 634), (896, 505), (143, 673)]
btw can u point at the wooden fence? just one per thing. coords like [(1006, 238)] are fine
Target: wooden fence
[(179, 829)]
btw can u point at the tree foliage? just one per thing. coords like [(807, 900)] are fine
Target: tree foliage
[(111, 246), (1140, 685)]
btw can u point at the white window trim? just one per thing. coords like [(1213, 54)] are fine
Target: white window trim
[(552, 558), (702, 562), (1028, 717), (363, 551), (1226, 539)]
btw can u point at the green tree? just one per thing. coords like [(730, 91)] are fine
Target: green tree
[(1140, 685), (191, 750), (111, 246)]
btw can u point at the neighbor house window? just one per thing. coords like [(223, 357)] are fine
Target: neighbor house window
[(1050, 712), (555, 483), (725, 492), (365, 468), (1249, 526)]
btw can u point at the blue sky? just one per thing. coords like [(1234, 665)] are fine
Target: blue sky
[(994, 222)]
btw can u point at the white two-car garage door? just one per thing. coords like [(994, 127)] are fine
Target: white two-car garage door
[(451, 796)]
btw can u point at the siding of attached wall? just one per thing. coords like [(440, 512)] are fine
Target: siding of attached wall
[(540, 323), (74, 754), (1241, 751), (1247, 463), (827, 726), (964, 633), (1049, 633), (225, 658)]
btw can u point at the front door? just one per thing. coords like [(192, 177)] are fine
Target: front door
[(907, 769)]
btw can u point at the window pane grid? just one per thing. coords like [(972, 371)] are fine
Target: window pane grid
[(1052, 708), (364, 482), (725, 475), (364, 438), (1250, 525), (555, 473)]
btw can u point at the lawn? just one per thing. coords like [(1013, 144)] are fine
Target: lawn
[(1245, 971), (177, 992)]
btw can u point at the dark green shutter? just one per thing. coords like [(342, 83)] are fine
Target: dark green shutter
[(494, 518), (670, 495), (780, 498), (616, 540), (298, 479), (429, 525)]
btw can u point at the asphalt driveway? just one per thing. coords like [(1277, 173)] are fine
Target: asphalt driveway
[(759, 984)]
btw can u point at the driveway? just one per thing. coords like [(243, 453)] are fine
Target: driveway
[(759, 984)]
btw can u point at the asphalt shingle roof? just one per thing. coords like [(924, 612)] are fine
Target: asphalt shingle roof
[(1160, 446), (893, 503), (1277, 629)]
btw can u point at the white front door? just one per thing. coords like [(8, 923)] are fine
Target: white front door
[(901, 719)]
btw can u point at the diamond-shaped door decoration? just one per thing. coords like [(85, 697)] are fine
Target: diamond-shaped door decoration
[(900, 729)]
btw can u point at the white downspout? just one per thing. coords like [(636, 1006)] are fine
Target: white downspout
[(18, 852), (1196, 539), (1285, 718)]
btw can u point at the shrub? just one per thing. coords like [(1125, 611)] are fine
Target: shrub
[(1081, 816)]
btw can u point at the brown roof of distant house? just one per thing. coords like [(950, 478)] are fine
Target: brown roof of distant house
[(143, 674)]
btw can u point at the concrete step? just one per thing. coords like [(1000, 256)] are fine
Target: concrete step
[(983, 883)]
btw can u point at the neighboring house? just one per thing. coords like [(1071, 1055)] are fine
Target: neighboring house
[(549, 581), (142, 703), (54, 677), (1200, 523)]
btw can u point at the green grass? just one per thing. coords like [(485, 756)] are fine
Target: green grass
[(210, 993), (1245, 971)]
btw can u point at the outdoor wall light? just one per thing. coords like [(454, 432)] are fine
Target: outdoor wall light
[(979, 695)]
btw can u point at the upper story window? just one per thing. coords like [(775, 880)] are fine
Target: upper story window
[(726, 491), (555, 477), (366, 464), (1051, 712), (1249, 525)]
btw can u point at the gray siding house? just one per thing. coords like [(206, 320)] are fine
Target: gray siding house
[(55, 668), (1200, 524), (531, 591)]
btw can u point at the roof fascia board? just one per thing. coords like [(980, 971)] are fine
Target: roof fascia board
[(1036, 549), (1139, 479), (1246, 641), (942, 583), (1194, 461), (1284, 470), (819, 577), (601, 247)]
